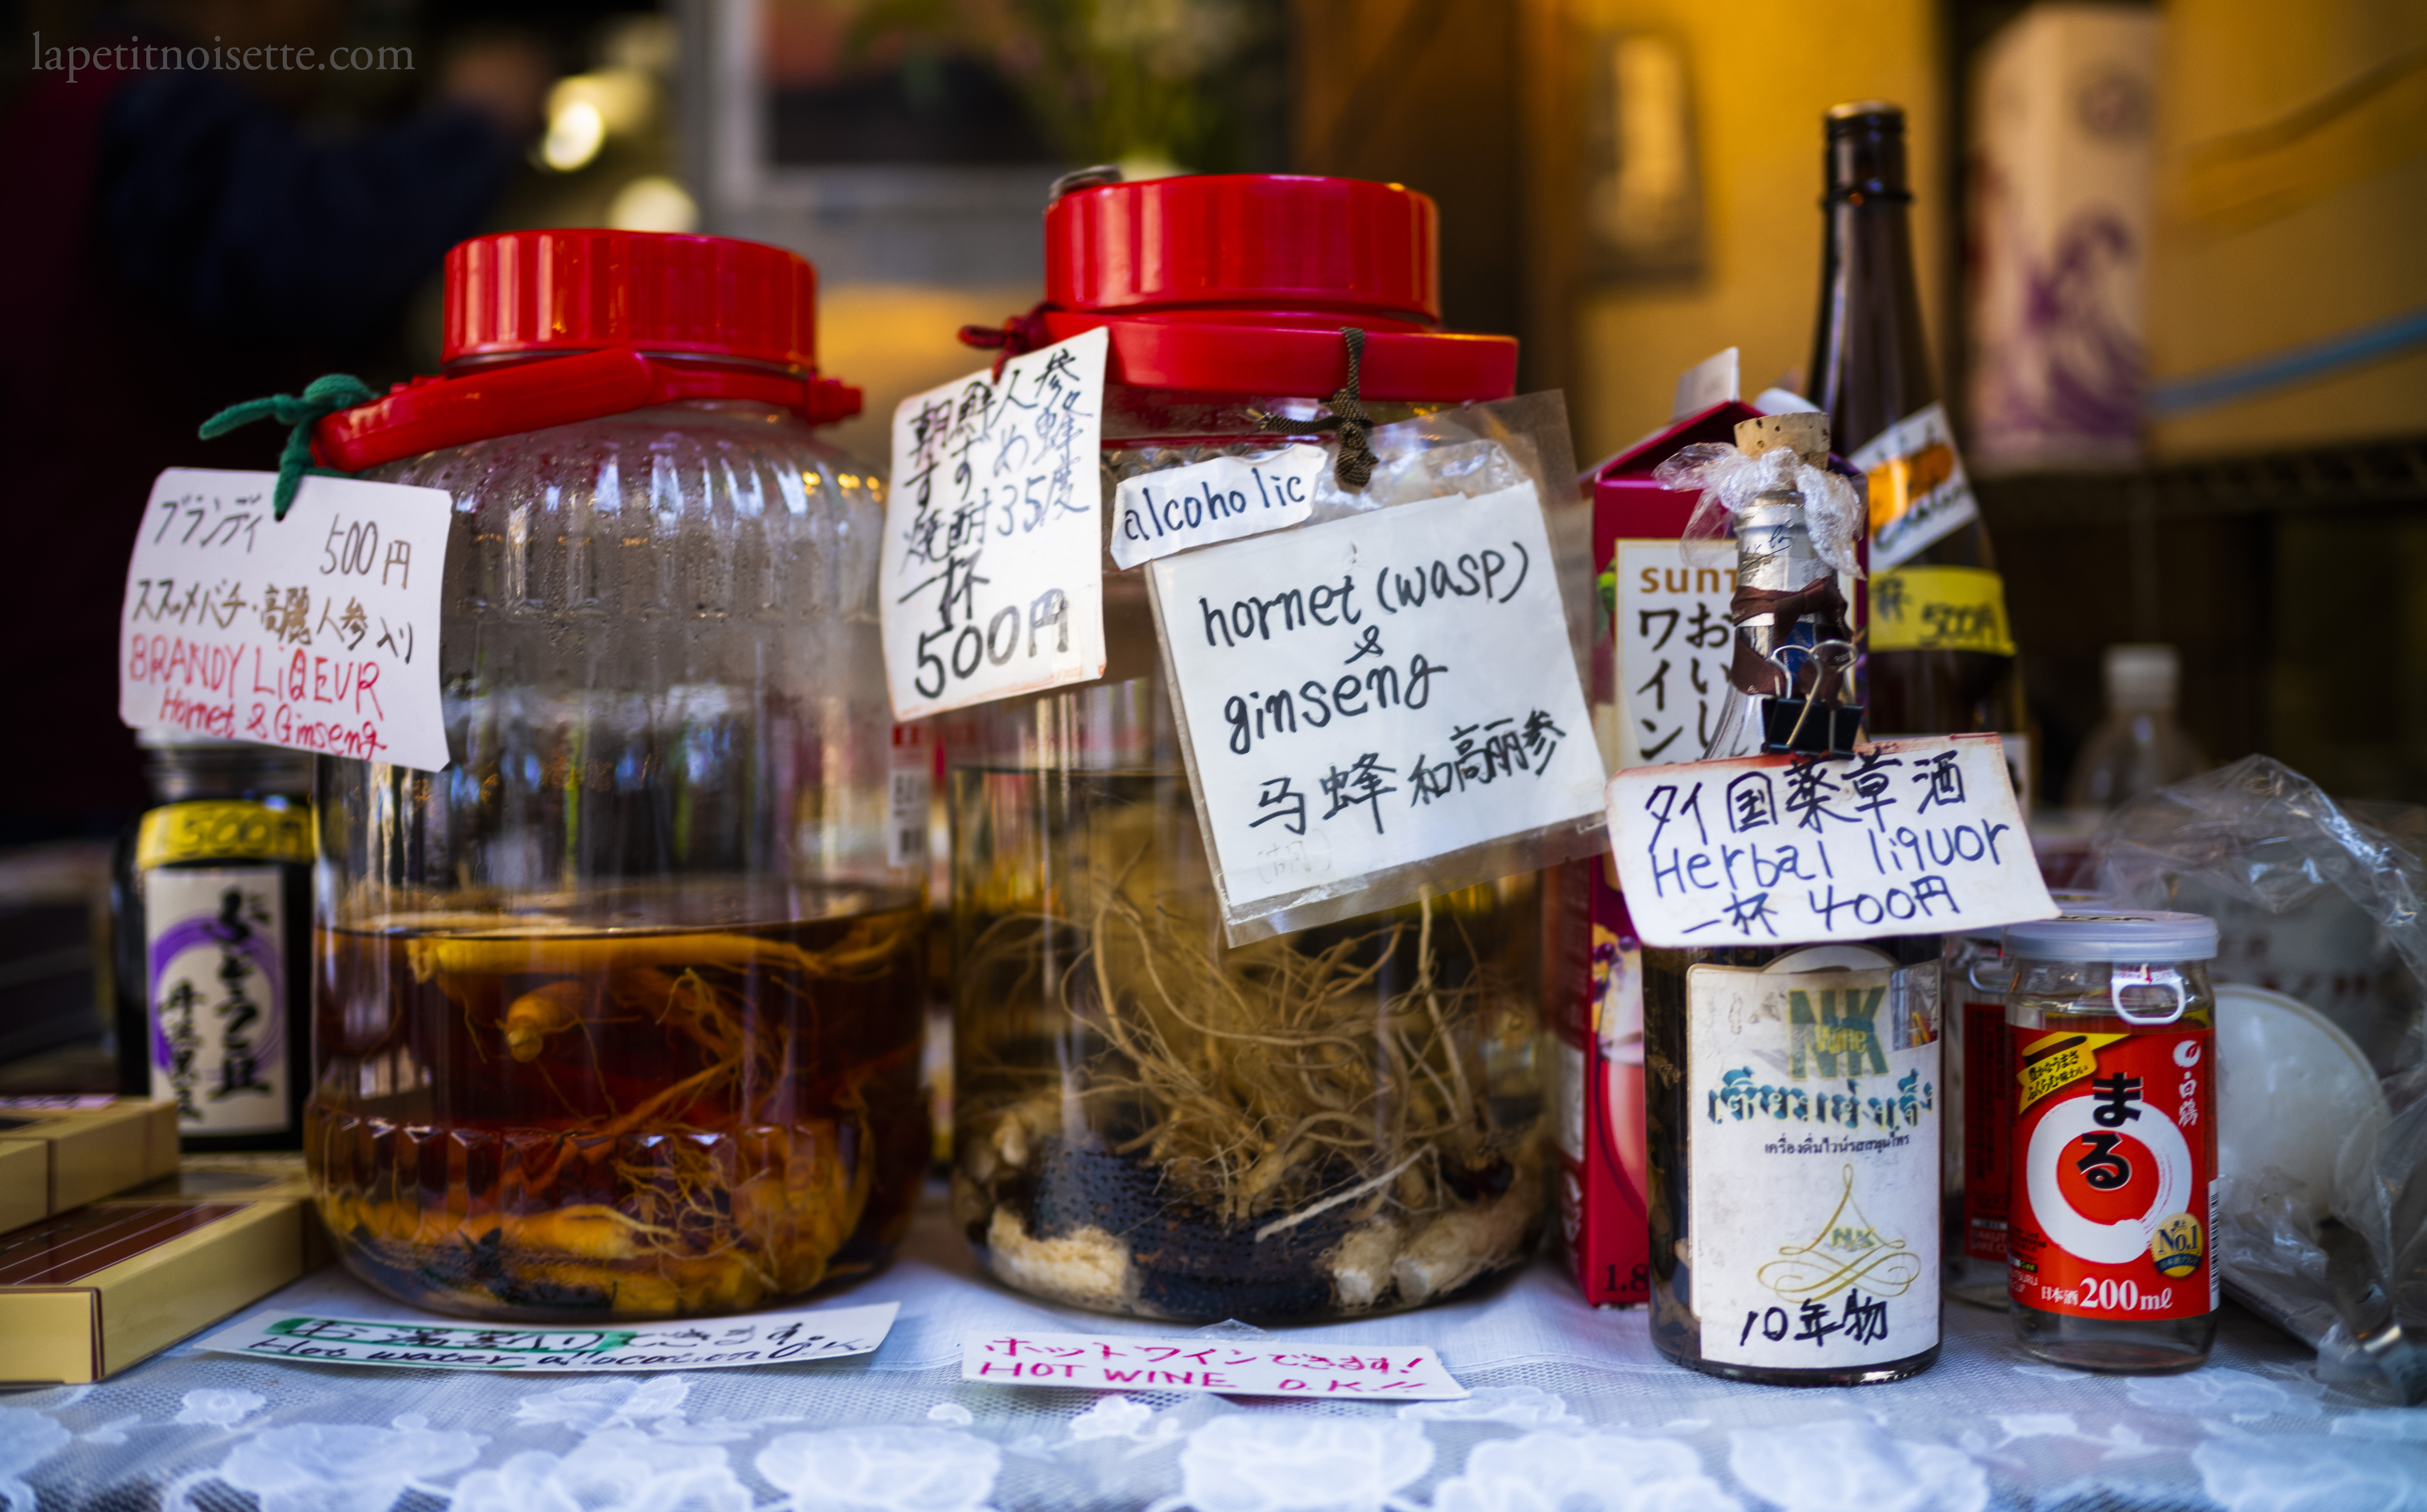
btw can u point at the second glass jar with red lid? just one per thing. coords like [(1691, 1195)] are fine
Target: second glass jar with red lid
[(619, 1014), (1340, 1119)]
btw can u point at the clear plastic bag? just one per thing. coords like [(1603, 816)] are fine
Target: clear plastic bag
[(2256, 844)]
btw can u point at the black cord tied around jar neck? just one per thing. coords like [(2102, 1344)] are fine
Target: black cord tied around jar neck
[(1348, 416)]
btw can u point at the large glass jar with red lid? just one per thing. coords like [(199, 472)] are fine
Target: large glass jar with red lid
[(619, 1014), (1338, 1120)]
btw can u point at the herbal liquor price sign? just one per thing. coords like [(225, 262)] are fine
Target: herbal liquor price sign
[(1913, 836), (318, 632), (1372, 694), (992, 581)]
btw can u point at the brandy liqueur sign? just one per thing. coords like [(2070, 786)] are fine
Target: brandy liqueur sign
[(318, 632)]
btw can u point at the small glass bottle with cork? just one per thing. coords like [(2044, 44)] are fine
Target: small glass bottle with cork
[(1770, 1264)]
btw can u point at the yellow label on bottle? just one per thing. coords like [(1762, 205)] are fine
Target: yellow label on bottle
[(2057, 1061), (216, 829), (1939, 608)]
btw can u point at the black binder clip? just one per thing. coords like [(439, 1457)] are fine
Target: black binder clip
[(1814, 725)]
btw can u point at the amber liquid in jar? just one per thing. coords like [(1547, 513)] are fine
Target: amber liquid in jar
[(1345, 1120), (634, 1102), (2078, 997)]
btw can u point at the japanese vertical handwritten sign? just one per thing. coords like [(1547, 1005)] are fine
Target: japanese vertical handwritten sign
[(1241, 1367), (1914, 837), (318, 632), (1377, 691), (1674, 642), (992, 581)]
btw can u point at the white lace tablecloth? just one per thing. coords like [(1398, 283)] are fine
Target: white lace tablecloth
[(1573, 1412)]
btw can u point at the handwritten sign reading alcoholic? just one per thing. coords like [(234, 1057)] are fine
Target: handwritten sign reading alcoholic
[(1396, 1373), (442, 1344), (319, 632), (992, 581), (1377, 690), (1913, 836), (1221, 499)]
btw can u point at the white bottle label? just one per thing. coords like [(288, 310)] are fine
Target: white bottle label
[(215, 944), (1812, 1120), (1919, 495)]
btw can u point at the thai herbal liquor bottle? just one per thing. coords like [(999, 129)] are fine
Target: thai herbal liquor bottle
[(1793, 1105), (1940, 651)]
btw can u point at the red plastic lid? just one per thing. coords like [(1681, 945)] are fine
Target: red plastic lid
[(540, 291), (1241, 283), (1263, 240), (509, 398), (610, 316)]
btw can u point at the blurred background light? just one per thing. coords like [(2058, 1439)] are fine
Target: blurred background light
[(575, 133)]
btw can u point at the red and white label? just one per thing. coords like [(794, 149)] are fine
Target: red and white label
[(2113, 1196)]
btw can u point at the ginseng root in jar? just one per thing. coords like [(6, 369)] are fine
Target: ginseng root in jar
[(1339, 1120), (619, 1014)]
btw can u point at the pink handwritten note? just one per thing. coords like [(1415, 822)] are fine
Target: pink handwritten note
[(318, 632), (1255, 1367)]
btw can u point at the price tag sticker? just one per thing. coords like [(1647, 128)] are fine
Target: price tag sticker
[(992, 581), (318, 632), (447, 1343), (1376, 691), (1381, 1373), (1913, 836)]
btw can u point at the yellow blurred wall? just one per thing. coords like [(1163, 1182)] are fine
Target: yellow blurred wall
[(1762, 72), (2292, 208)]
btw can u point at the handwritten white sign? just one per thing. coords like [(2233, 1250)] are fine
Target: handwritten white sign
[(1914, 837), (1377, 690), (1222, 498), (318, 632), (992, 581), (1381, 1373), (441, 1343)]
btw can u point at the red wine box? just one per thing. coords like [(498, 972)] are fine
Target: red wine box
[(1599, 1035), (1661, 644)]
